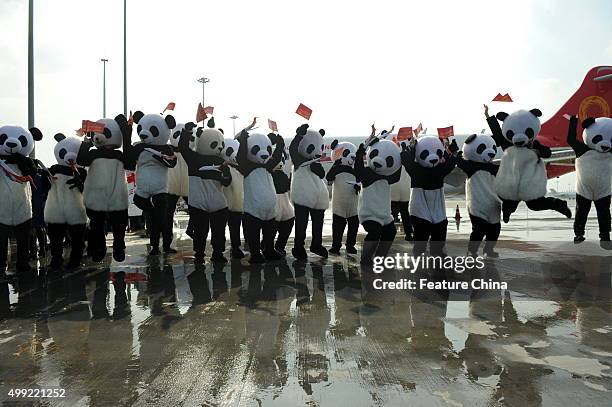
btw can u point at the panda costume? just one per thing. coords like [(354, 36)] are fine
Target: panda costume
[(428, 164), (400, 200), (483, 204), (234, 196), (65, 210), (178, 184), (374, 207), (256, 161), (207, 177), (105, 192), (345, 196), (522, 173), (593, 175), (152, 157), (308, 190), (16, 170), (284, 216)]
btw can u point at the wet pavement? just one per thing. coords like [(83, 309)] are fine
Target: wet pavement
[(161, 331)]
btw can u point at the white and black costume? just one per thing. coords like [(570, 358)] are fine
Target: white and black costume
[(284, 214), (400, 203), (178, 186), (234, 196)]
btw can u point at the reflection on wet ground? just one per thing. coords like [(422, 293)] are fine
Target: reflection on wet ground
[(162, 331)]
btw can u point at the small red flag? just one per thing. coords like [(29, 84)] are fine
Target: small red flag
[(304, 111), (272, 125), (445, 132), (200, 114), (209, 109), (87, 126), (418, 129), (170, 106), (131, 119), (404, 133), (502, 98)]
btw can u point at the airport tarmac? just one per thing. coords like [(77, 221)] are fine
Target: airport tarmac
[(161, 331)]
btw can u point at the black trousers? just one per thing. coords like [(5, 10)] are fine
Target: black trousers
[(401, 208), (301, 223), (167, 235), (602, 206), (482, 229), (201, 222), (234, 219), (97, 235), (57, 234), (338, 225), (155, 210), (256, 227), (283, 228), (425, 231), (21, 233), (375, 232), (539, 204)]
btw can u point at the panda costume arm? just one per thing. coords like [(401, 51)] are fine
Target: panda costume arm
[(497, 134), (296, 158), (362, 174), (578, 147), (277, 156), (245, 166)]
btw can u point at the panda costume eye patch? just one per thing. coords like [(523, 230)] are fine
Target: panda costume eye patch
[(3, 138), (255, 150), (310, 148), (107, 133), (229, 151), (481, 148), (269, 149), (62, 153), (345, 153), (154, 131), (177, 134), (598, 138), (509, 134), (23, 140), (373, 154), (439, 153), (529, 132), (390, 161), (424, 154), (214, 144)]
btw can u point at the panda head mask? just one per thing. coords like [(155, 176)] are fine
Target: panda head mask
[(230, 150), (259, 148), (112, 136), (175, 135), (154, 129), (597, 134), (383, 157), (349, 152), (311, 145), (66, 149), (479, 148), (521, 127), (17, 140), (429, 151), (209, 140)]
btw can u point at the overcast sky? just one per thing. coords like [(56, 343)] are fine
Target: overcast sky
[(352, 62)]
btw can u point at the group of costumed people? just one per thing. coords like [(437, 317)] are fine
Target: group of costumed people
[(245, 183)]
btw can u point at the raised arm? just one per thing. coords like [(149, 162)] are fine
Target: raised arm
[(296, 158), (188, 154), (578, 147), (85, 156), (496, 130), (277, 155)]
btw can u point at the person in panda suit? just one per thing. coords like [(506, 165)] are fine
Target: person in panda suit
[(16, 172), (207, 176), (483, 204), (256, 161), (381, 169), (105, 192), (234, 196), (152, 158), (400, 199), (345, 193), (427, 163), (522, 173), (593, 175), (178, 185), (308, 190), (65, 210), (284, 214)]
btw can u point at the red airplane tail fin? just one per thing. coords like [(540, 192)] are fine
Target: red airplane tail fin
[(592, 99)]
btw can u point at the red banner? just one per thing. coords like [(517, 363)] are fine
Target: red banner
[(404, 133), (170, 106), (200, 114), (304, 111), (87, 126), (445, 132), (502, 98), (272, 125), (209, 109)]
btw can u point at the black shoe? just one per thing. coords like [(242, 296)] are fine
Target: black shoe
[(299, 253), (335, 251), (272, 255), (170, 250), (506, 217), (119, 254), (98, 257), (237, 253), (565, 210), (351, 250), (319, 251), (153, 252), (492, 254), (218, 258), (579, 239), (257, 258)]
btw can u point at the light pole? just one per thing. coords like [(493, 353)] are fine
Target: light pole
[(104, 61), (31, 67), (203, 80), (125, 109), (234, 117)]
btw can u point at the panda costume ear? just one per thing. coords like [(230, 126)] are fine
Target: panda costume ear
[(36, 134), (322, 132), (59, 137), (222, 132), (587, 122), (501, 116), (302, 129), (137, 116), (470, 139), (374, 141), (123, 123), (211, 123), (170, 121), (536, 112), (334, 144), (199, 131)]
